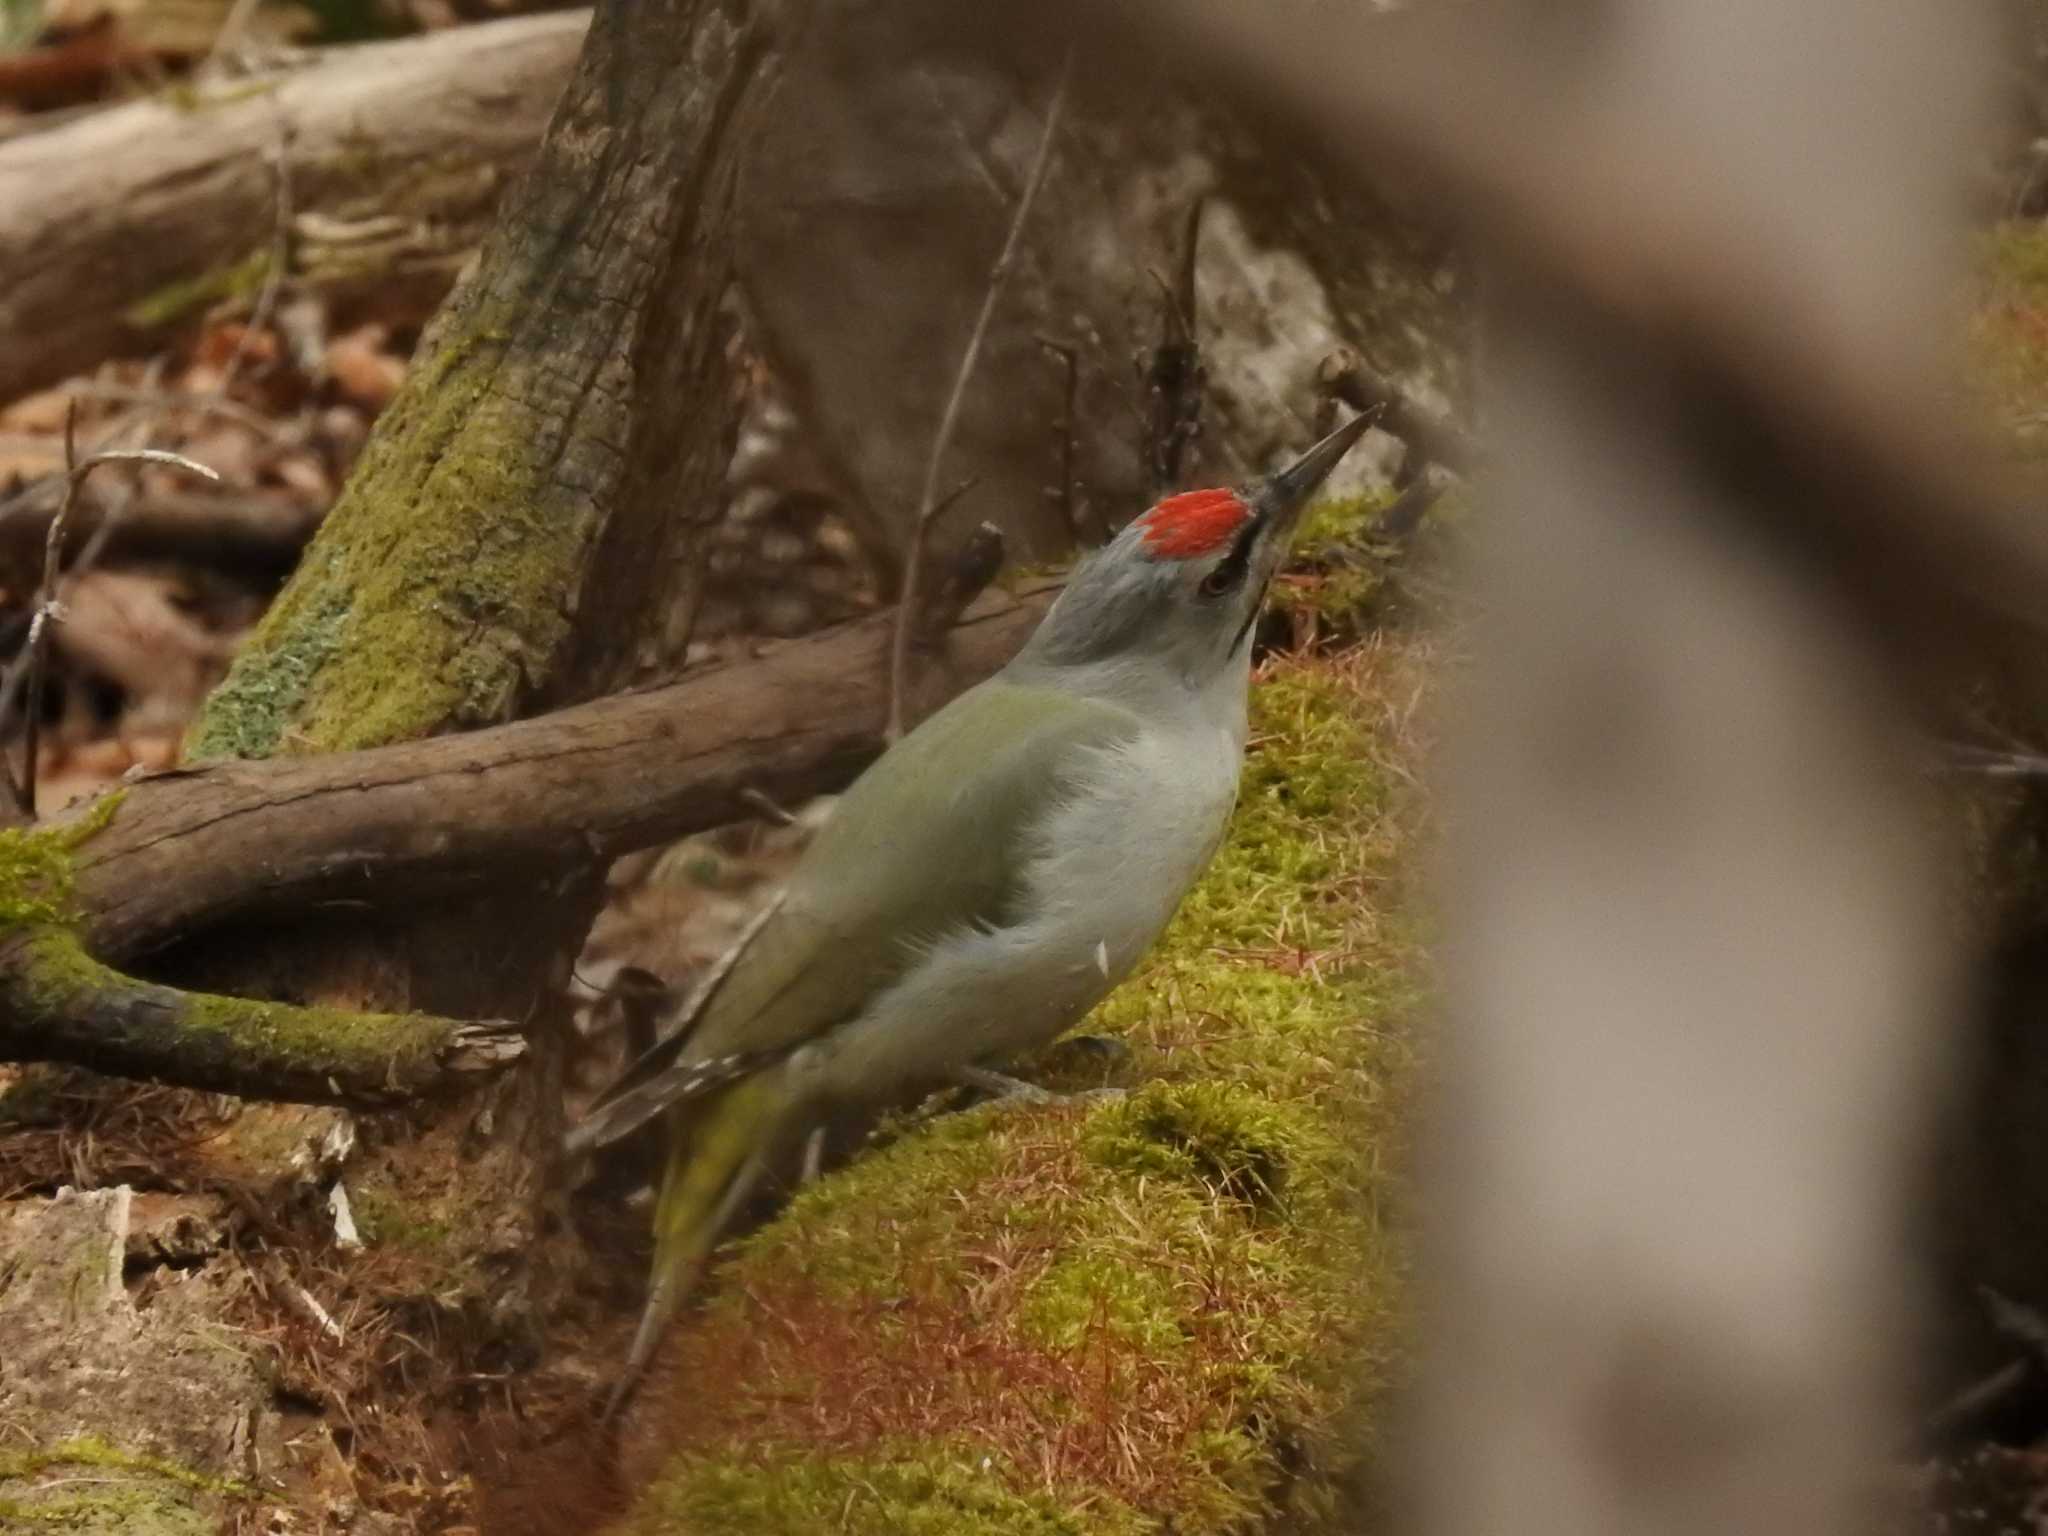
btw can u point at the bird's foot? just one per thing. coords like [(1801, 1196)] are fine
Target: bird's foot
[(1006, 1089)]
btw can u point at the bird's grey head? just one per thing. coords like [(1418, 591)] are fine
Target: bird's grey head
[(1181, 586)]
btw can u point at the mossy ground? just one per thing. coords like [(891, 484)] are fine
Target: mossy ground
[(1144, 1314)]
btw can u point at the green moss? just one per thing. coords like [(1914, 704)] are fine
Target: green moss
[(1090, 1288), (384, 1216), (55, 970), (429, 1215), (135, 1503), (35, 865), (1159, 1308), (917, 1492), (188, 296), (439, 587), (90, 1451), (1224, 1136)]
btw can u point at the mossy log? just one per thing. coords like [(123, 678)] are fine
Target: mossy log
[(1174, 1310), (396, 154), (59, 1003)]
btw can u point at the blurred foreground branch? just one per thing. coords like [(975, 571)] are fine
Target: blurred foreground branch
[(1697, 968)]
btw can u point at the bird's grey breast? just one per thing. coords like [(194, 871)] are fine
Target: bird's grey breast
[(1140, 822)]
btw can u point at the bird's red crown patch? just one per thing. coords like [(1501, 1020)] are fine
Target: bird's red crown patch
[(1193, 523)]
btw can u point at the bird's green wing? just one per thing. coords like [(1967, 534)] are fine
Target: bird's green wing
[(927, 842)]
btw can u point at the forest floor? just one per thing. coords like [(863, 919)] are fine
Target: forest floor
[(1173, 1309)]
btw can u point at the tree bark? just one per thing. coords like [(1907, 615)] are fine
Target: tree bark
[(116, 228)]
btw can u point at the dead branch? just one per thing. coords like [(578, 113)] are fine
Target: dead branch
[(58, 1004), (1174, 380), (400, 147), (1430, 438), (195, 846), (930, 503), (191, 847), (25, 683)]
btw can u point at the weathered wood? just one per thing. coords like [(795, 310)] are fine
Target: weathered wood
[(59, 1004), (194, 846), (123, 224)]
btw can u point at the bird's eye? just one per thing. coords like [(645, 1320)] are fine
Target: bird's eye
[(1219, 581)]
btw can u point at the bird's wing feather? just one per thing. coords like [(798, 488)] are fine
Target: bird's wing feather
[(926, 842)]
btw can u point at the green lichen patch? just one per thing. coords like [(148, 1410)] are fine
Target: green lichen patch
[(189, 296), (1160, 1312), (35, 865), (90, 1451), (441, 584), (88, 1485)]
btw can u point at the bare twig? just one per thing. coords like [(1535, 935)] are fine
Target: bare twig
[(164, 401), (280, 257), (1070, 356), (25, 685), (58, 1003), (644, 1090), (1173, 382), (930, 504), (1427, 436)]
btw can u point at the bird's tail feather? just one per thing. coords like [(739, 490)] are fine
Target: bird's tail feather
[(715, 1162)]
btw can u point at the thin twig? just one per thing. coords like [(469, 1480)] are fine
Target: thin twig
[(164, 401), (280, 257), (652, 1083), (27, 678), (1175, 377), (929, 502), (1069, 356)]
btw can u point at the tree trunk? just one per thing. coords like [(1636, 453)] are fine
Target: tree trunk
[(396, 154)]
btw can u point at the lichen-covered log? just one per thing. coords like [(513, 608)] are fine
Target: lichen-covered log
[(58, 1003), (396, 155)]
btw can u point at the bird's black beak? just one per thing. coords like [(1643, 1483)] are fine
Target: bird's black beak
[(1286, 493), (1280, 499)]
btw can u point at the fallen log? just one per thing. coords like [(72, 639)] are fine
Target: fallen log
[(191, 847), (119, 227)]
